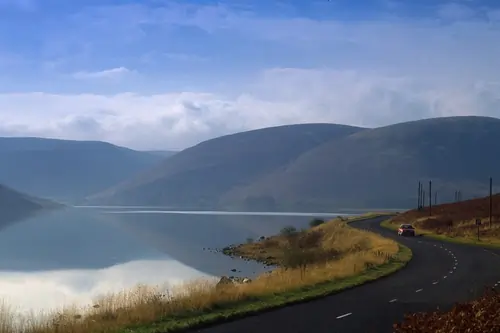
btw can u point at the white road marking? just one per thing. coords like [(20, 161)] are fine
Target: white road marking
[(393, 300), (435, 282), (444, 277), (451, 272), (418, 290), (344, 315), (490, 252)]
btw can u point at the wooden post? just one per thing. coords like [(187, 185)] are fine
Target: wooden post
[(491, 200), (430, 197), (418, 200)]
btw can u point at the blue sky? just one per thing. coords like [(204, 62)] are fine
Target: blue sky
[(168, 74)]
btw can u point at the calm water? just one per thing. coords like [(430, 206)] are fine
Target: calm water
[(73, 255)]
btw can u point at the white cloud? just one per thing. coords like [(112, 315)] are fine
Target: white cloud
[(104, 74), (279, 96), (371, 73)]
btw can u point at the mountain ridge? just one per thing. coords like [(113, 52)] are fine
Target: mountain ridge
[(67, 170), (15, 205), (257, 147), (438, 156), (359, 168)]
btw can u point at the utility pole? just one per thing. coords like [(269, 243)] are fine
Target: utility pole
[(430, 197), (423, 199), (491, 199), (418, 204)]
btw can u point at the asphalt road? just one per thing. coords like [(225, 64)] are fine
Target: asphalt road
[(439, 275)]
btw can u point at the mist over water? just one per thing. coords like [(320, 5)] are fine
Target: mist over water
[(73, 255)]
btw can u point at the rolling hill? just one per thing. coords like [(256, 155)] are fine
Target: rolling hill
[(324, 167), (380, 168), (198, 176), (15, 205), (67, 170)]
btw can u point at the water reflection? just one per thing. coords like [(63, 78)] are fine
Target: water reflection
[(185, 235), (72, 255), (68, 239)]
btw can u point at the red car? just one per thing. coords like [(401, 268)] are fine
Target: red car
[(406, 230)]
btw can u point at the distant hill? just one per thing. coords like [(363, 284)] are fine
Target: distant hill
[(324, 167), (198, 176), (380, 168), (15, 205), (67, 170)]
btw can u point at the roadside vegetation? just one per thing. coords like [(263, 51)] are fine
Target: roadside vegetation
[(456, 222), (321, 260), (479, 316)]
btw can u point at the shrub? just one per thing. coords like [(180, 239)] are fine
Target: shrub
[(315, 222), (288, 231)]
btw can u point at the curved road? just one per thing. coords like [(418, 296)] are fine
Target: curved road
[(439, 275)]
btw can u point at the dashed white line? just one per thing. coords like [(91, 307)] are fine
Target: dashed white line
[(393, 300), (344, 315), (444, 277), (435, 282), (418, 290)]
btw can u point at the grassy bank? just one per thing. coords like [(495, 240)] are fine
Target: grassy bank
[(354, 257), (272, 250), (455, 222)]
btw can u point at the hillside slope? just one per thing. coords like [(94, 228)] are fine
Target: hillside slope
[(380, 168), (67, 170), (198, 176), (16, 205)]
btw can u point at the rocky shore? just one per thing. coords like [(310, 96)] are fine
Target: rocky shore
[(232, 251), (231, 281)]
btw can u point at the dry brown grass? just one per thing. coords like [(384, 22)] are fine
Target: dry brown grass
[(457, 220), (479, 316), (142, 305)]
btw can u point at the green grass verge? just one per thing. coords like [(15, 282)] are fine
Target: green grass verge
[(265, 303), (457, 240), (388, 225), (368, 216)]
